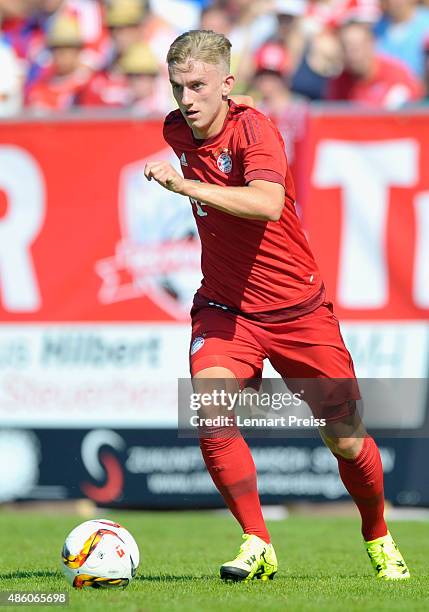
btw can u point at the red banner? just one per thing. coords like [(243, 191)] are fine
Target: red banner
[(366, 211), (79, 236), (84, 237)]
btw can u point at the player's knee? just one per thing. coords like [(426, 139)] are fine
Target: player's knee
[(349, 448), (214, 378), (215, 372), (216, 389)]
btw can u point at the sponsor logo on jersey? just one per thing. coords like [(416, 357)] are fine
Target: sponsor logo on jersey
[(224, 162), (197, 343), (183, 160)]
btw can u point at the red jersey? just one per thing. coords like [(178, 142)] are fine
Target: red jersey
[(57, 92), (391, 86), (250, 265), (106, 89)]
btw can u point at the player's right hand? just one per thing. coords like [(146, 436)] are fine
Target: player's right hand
[(164, 174)]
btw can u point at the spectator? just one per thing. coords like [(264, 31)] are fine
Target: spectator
[(158, 34), (401, 32), (216, 19), (343, 11), (289, 27), (88, 14), (129, 22), (181, 15), (426, 75), (25, 32), (146, 93), (252, 24), (62, 84), (124, 19), (13, 9), (270, 88), (28, 34), (369, 78), (317, 15), (270, 82), (10, 82), (321, 62), (107, 88)]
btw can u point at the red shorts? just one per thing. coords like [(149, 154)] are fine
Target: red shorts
[(307, 347)]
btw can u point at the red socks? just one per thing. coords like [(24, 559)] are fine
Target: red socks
[(233, 471), (363, 479), (231, 466)]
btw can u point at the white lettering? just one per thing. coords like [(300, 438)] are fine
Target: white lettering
[(421, 260), (365, 171), (22, 181)]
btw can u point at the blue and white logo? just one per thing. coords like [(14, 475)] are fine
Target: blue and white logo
[(197, 343), (224, 162)]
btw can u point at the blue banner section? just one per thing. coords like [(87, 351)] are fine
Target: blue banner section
[(156, 469)]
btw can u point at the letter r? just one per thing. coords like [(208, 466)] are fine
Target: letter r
[(22, 181)]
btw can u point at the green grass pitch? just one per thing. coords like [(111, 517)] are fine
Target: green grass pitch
[(322, 564)]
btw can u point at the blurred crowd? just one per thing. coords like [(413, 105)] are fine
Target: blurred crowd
[(58, 55)]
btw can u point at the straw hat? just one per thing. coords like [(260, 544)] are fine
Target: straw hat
[(139, 59), (64, 32), (122, 13)]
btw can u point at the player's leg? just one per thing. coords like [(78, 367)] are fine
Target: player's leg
[(313, 355), (223, 352), (228, 457), (359, 465), (231, 466), (361, 471)]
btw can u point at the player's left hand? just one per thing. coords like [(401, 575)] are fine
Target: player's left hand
[(164, 174)]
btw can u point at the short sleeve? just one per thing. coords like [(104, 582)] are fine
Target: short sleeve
[(173, 124), (262, 150)]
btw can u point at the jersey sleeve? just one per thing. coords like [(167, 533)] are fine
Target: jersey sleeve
[(173, 124), (262, 150)]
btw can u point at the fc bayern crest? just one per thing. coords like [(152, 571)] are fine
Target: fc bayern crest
[(197, 343), (224, 162)]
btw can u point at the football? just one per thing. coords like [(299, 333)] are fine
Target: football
[(100, 554)]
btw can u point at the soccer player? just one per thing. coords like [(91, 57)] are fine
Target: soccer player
[(261, 297)]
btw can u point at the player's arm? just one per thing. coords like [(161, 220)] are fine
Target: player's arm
[(260, 199)]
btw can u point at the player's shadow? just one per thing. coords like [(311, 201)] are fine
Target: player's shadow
[(315, 577), (50, 574), (30, 574), (172, 578)]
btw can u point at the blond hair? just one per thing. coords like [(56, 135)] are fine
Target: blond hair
[(202, 45)]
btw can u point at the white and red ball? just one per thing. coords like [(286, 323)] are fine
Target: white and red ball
[(100, 554)]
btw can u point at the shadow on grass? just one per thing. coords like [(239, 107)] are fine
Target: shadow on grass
[(324, 577), (172, 578), (21, 574), (31, 574)]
